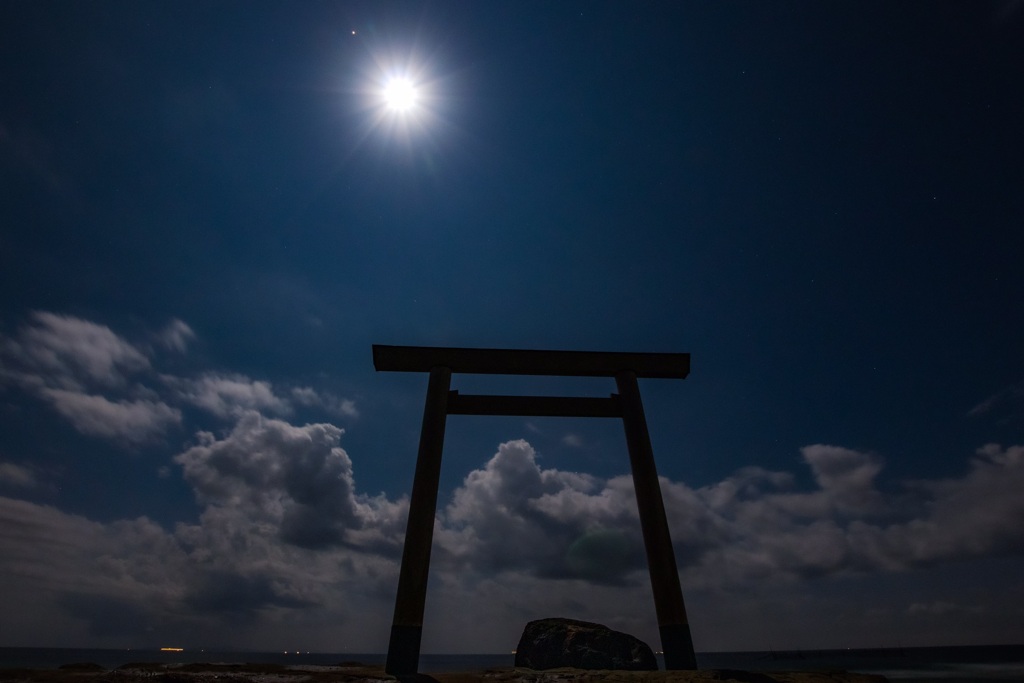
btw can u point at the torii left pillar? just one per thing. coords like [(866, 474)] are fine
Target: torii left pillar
[(407, 626)]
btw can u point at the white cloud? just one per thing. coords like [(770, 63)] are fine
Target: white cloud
[(306, 396), (978, 514), (1006, 405), (847, 476), (37, 540), (104, 385), (296, 481), (176, 336), (347, 407), (133, 421), (75, 366), (341, 407), (513, 514), (229, 396), (572, 440), (67, 352), (16, 475), (284, 536)]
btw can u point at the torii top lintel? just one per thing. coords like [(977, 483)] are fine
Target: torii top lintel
[(530, 362)]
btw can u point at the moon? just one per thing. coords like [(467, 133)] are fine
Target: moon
[(400, 94)]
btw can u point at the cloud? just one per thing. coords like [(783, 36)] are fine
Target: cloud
[(1005, 406), (753, 525), (87, 373), (17, 476), (124, 578), (848, 526), (978, 514), (572, 440), (46, 550), (107, 387), (229, 396), (133, 421), (222, 581), (846, 476), (284, 536), (176, 336), (341, 407), (514, 515), (233, 593), (70, 353), (296, 481)]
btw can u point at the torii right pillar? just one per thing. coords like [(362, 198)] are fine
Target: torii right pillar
[(676, 641)]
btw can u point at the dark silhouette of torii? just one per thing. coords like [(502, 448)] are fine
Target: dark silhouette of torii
[(441, 363)]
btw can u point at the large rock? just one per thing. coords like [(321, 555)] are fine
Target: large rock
[(553, 643)]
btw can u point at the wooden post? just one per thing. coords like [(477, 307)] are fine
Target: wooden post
[(676, 642), (407, 625)]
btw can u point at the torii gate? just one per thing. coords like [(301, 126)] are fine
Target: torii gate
[(441, 363)]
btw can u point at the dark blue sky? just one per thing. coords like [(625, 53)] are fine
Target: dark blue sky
[(207, 217)]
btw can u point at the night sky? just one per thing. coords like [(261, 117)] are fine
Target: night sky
[(209, 213)]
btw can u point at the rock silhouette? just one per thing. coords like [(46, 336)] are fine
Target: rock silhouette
[(556, 642)]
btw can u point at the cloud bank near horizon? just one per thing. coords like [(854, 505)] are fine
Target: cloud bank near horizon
[(284, 535)]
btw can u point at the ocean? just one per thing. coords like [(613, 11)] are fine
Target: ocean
[(918, 664)]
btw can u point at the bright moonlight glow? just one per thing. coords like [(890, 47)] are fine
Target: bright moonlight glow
[(400, 94)]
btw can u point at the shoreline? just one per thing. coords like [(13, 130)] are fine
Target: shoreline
[(355, 672)]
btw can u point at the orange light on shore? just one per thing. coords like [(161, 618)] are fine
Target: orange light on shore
[(172, 649)]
